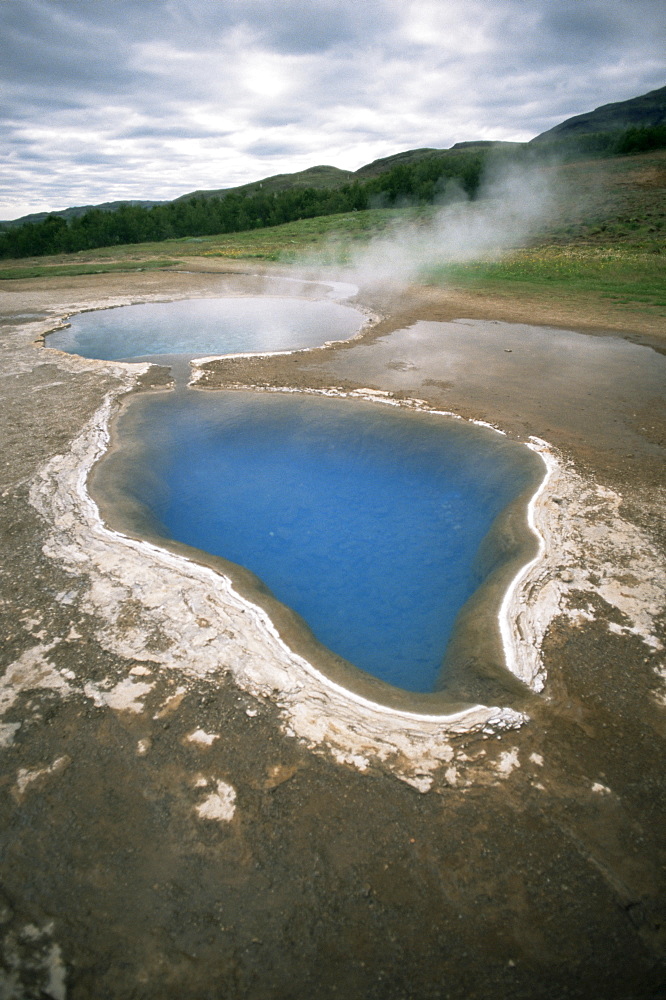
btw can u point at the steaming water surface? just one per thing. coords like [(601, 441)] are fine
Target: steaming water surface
[(199, 327), (368, 522)]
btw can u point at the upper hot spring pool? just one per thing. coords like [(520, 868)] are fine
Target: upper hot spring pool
[(199, 327)]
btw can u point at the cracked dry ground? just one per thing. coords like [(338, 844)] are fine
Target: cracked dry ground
[(162, 836)]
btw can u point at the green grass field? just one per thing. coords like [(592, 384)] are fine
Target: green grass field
[(332, 234), (622, 275), (42, 270)]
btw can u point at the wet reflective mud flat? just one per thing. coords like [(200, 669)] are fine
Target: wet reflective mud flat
[(165, 836)]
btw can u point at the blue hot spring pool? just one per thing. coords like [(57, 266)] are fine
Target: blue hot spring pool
[(365, 520)]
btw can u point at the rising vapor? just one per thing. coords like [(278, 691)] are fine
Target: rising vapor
[(513, 204)]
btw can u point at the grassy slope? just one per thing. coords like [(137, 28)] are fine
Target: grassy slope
[(608, 243), (288, 242), (647, 109)]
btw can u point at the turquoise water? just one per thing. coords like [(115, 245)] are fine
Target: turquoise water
[(198, 327), (365, 520)]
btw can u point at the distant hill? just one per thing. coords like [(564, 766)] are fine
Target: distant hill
[(321, 178), (74, 213), (412, 156), (409, 156), (485, 144), (646, 111)]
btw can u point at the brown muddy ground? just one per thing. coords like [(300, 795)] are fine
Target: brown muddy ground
[(128, 868)]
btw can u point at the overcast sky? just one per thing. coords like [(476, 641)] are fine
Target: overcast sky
[(148, 99)]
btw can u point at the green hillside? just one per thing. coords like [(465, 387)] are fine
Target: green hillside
[(319, 178), (646, 111), (76, 212), (411, 157)]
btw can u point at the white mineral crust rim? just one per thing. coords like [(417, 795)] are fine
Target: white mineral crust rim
[(520, 658)]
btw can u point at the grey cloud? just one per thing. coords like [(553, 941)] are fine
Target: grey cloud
[(28, 153), (279, 117), (598, 24), (273, 148), (587, 34), (582, 25), (167, 131), (359, 84), (294, 26), (96, 158), (41, 44), (285, 26)]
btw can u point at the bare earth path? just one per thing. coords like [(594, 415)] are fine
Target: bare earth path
[(171, 829)]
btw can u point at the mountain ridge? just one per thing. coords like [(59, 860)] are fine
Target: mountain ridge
[(645, 111)]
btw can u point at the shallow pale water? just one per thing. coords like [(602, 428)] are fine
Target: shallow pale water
[(367, 521), (199, 327), (560, 384)]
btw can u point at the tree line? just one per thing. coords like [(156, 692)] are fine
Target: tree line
[(418, 183), (637, 139)]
